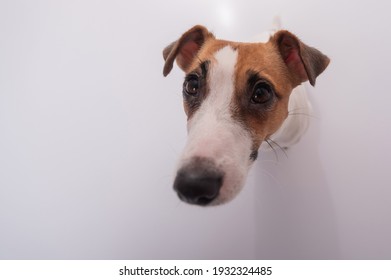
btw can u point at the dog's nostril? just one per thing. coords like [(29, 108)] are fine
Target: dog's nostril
[(197, 184)]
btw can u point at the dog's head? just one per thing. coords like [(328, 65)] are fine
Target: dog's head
[(235, 96)]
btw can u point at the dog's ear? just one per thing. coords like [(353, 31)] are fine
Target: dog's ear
[(304, 62), (185, 48)]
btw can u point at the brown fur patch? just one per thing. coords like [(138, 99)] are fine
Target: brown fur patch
[(261, 120)]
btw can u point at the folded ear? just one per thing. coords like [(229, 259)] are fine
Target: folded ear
[(185, 48), (304, 62)]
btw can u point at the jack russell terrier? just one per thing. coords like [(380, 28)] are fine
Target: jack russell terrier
[(235, 95)]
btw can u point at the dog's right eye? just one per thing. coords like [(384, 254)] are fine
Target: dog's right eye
[(191, 85)]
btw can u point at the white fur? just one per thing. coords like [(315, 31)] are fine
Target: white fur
[(214, 134), (297, 122)]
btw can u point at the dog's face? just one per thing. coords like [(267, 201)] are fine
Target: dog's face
[(235, 96)]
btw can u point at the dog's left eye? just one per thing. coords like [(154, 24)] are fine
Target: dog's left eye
[(262, 93), (191, 85)]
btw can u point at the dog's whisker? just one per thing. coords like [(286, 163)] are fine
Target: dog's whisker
[(271, 146), (281, 148), (276, 144)]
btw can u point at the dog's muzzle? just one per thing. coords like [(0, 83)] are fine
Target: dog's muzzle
[(198, 181)]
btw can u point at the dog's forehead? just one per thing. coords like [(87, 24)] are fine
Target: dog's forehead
[(261, 58), (211, 47)]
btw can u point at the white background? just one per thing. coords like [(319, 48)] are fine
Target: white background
[(90, 132)]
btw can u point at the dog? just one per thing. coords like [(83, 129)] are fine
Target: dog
[(235, 97)]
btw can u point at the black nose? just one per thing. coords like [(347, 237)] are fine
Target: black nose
[(198, 182)]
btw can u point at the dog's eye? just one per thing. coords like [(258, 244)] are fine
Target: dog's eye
[(262, 93), (191, 85)]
